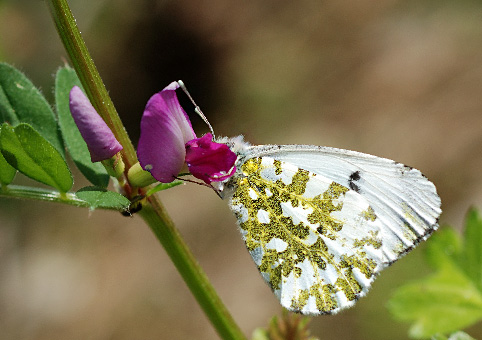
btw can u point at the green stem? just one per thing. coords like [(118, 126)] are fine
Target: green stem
[(154, 214), (89, 76), (157, 219), (31, 193)]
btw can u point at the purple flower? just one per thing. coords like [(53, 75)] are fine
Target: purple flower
[(168, 141), (165, 129), (95, 132), (208, 160)]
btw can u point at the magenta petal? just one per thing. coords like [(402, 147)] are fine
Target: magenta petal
[(208, 160), (165, 129), (99, 138)]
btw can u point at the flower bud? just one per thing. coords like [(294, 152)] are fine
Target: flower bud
[(100, 140)]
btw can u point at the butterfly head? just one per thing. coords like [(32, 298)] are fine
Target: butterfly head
[(239, 147)]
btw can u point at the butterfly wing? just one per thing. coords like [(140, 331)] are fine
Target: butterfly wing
[(402, 197), (320, 223)]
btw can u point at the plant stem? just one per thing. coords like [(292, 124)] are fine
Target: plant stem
[(193, 275), (154, 213), (89, 76)]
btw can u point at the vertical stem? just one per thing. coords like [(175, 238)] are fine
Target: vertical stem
[(89, 76), (154, 213), (190, 270)]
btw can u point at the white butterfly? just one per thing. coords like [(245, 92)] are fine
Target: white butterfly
[(321, 223)]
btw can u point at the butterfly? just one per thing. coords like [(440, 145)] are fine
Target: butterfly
[(320, 223)]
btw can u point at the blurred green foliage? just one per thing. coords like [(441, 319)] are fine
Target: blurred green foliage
[(454, 336), (287, 327), (451, 298)]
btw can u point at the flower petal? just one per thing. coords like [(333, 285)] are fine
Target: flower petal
[(165, 129), (99, 138), (208, 160)]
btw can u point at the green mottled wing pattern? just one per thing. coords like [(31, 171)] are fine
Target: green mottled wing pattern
[(315, 242)]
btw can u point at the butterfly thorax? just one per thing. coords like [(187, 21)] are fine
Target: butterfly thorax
[(240, 147)]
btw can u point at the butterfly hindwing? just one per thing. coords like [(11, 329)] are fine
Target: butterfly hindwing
[(316, 242)]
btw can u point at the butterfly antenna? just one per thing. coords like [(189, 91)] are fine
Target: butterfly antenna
[(197, 109)]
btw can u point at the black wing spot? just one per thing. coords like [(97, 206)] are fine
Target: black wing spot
[(355, 176), (404, 168)]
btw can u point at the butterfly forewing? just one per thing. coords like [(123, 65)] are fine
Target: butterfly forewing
[(316, 242), (403, 199)]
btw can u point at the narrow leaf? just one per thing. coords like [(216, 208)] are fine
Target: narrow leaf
[(66, 79), (31, 154), (7, 172), (163, 186), (22, 102), (101, 198)]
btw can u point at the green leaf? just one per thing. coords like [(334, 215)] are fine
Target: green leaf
[(31, 154), (66, 79), (163, 186), (441, 303), (443, 248), (451, 298), (101, 198), (7, 172), (22, 102), (471, 258), (7, 113)]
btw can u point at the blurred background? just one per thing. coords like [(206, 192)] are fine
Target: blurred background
[(397, 79)]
